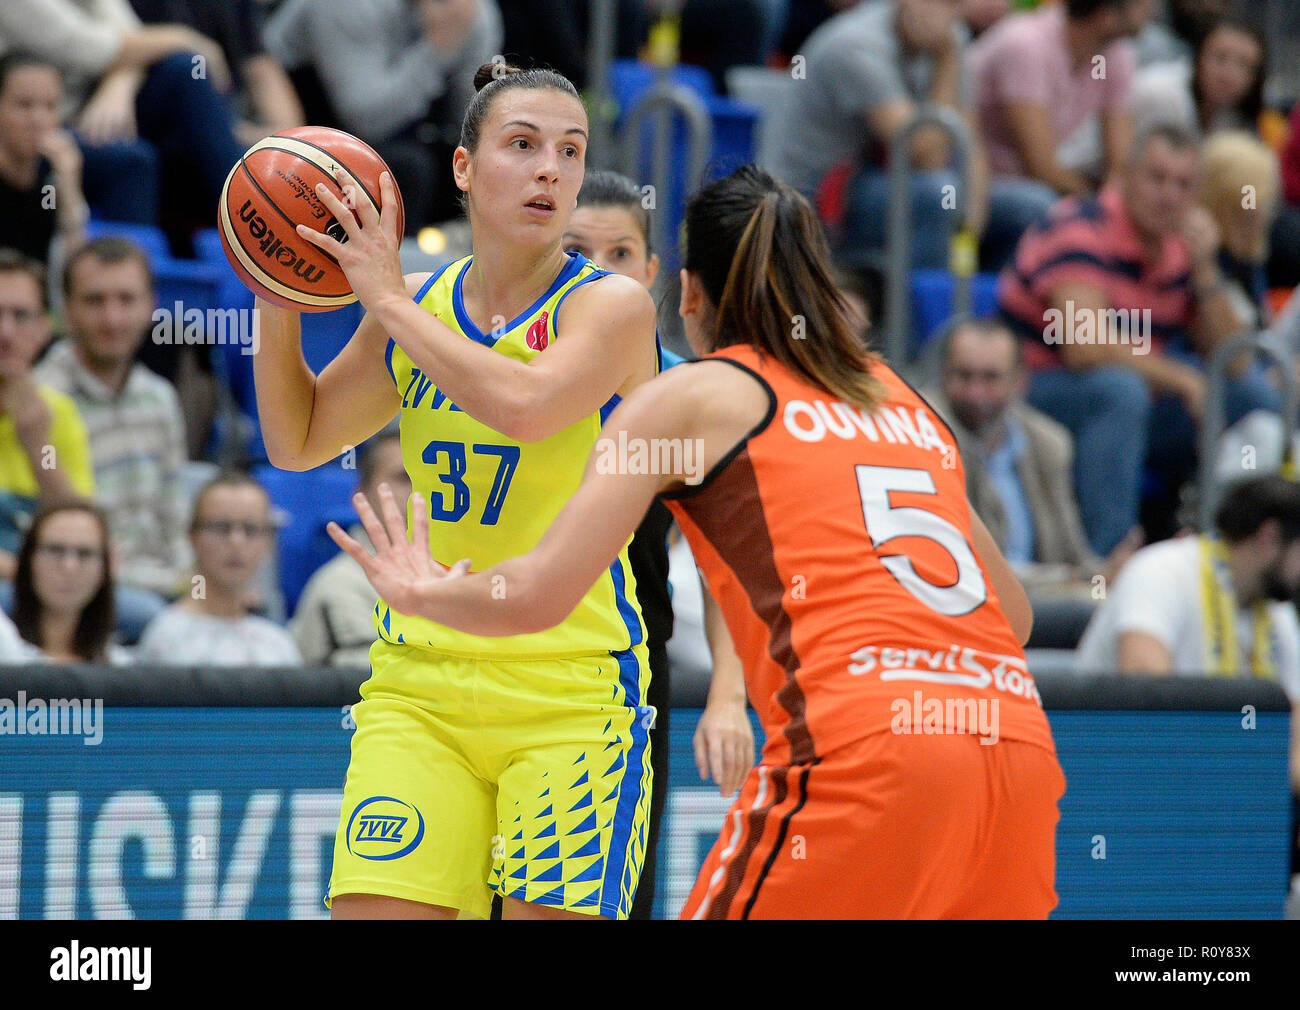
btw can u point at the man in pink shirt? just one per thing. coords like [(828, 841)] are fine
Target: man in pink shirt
[(1052, 91)]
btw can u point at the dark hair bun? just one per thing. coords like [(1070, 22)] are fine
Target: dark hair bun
[(489, 72)]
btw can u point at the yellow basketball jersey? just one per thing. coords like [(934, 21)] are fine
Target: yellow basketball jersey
[(490, 497)]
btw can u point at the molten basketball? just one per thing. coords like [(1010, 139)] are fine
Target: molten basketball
[(271, 189)]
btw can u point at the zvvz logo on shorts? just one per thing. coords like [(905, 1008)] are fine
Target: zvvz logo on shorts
[(380, 828)]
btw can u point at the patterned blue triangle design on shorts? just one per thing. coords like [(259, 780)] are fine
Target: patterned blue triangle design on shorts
[(519, 837), (584, 802), (589, 824), (581, 758), (555, 897), (582, 780), (518, 892), (608, 725), (547, 832), (545, 792), (612, 793), (546, 876), (519, 855), (618, 763), (593, 872), (592, 848), (548, 812), (552, 851), (521, 873)]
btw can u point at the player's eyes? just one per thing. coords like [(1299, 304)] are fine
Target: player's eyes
[(572, 152), (521, 140), (622, 253)]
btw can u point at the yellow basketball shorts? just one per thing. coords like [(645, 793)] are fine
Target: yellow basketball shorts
[(529, 778)]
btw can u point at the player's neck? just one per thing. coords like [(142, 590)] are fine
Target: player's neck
[(505, 281)]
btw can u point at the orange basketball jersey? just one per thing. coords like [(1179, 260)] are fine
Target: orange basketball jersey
[(838, 545)]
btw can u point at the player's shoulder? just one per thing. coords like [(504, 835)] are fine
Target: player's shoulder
[(605, 292)]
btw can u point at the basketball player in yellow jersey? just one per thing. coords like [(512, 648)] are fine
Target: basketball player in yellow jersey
[(518, 764)]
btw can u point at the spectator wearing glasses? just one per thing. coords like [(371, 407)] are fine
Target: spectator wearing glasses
[(63, 590), (44, 448), (210, 626)]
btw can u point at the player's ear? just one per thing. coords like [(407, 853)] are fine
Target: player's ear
[(692, 300), (651, 269), (460, 168)]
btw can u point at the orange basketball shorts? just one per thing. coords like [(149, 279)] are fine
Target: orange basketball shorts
[(890, 826)]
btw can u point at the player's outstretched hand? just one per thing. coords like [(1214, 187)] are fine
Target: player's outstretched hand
[(401, 570)]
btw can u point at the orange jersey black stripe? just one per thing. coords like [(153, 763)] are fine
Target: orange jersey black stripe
[(838, 545)]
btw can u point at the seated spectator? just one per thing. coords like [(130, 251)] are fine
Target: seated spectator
[(44, 448), (1241, 187), (63, 591), (137, 434), (1220, 88), (127, 81), (230, 534), (14, 649), (1018, 460), (404, 91), (1122, 299), (40, 163), (1284, 265), (981, 15), (1217, 604), (1175, 36), (866, 72), (335, 619), (553, 33), (1053, 90), (262, 97)]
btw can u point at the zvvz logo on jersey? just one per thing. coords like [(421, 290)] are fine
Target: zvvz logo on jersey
[(382, 827)]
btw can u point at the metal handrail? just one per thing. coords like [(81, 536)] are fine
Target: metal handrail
[(898, 306), (1214, 421), (664, 100), (602, 18)]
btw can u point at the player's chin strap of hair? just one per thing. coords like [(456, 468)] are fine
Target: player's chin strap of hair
[(1219, 603)]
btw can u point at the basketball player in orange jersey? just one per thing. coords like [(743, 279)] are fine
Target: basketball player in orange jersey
[(908, 769), (518, 765)]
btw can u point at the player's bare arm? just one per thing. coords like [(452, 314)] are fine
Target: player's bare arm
[(710, 401), (310, 419), (606, 347)]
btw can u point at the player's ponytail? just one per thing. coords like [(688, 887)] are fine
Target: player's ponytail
[(761, 255), (493, 78)]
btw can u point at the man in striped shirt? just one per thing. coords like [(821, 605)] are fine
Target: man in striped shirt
[(137, 431), (1122, 303)]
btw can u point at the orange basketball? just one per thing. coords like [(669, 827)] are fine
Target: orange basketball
[(271, 189)]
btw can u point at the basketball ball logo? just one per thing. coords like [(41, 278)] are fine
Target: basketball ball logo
[(537, 338)]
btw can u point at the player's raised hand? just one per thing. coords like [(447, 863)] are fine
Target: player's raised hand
[(370, 257), (400, 570)]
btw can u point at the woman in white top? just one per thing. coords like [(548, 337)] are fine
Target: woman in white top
[(1221, 89)]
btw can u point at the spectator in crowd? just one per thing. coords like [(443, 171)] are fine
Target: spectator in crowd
[(1122, 300), (1284, 265), (803, 17), (403, 91), (334, 621), (40, 163), (63, 591), (866, 71), (137, 431), (720, 34), (1053, 92), (44, 448), (14, 649), (126, 80), (1018, 461), (230, 533), (262, 95), (1219, 603), (553, 33), (1241, 189), (981, 15), (1220, 88), (1175, 35)]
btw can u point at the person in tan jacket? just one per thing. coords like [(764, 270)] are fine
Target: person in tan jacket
[(1018, 463)]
